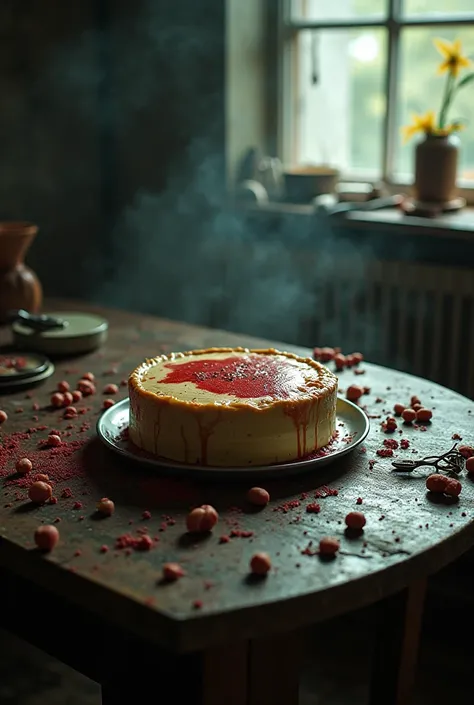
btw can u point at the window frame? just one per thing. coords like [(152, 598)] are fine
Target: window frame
[(394, 22)]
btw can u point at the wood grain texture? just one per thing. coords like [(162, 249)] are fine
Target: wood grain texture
[(406, 538)]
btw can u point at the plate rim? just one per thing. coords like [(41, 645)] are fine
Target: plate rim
[(281, 469)]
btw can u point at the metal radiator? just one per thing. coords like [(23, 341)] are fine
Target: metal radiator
[(415, 317)]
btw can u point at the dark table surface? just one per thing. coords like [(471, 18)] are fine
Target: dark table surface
[(407, 536)]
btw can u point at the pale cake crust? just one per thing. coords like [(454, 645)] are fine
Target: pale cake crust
[(232, 407)]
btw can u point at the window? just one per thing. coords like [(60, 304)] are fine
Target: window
[(354, 72)]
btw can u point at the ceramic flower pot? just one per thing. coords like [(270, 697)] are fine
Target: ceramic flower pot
[(436, 164), (19, 285)]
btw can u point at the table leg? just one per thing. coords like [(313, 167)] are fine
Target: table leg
[(257, 672), (274, 670), (398, 630)]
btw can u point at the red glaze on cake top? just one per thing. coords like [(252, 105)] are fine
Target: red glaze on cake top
[(245, 377)]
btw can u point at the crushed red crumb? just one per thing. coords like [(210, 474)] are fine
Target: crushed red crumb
[(285, 507), (143, 542), (224, 539), (77, 505), (239, 533), (404, 443), (104, 548), (146, 514), (313, 508), (197, 604), (391, 443), (359, 500), (66, 493), (385, 452), (325, 491), (456, 437)]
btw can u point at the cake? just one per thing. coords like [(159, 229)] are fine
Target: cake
[(232, 406)]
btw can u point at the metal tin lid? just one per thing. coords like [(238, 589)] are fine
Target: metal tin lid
[(22, 369), (81, 333)]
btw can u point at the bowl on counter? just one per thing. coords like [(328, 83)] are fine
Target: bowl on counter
[(303, 183)]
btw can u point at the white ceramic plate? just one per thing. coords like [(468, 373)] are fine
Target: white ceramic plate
[(352, 425)]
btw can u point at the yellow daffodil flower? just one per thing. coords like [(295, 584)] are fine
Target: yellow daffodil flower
[(421, 123), (454, 60)]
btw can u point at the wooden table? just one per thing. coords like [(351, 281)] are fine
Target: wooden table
[(217, 636)]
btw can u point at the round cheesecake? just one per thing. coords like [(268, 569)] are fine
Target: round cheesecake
[(232, 406)]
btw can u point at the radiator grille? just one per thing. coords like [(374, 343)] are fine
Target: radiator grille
[(414, 317)]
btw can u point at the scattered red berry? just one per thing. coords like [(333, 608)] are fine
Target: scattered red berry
[(54, 440), (389, 425), (416, 407), (258, 496), (350, 362), (424, 415), (414, 400), (340, 361), (24, 466), (57, 400), (41, 477), (46, 537), (202, 519), (107, 403), (260, 563), (436, 483), (466, 451), (172, 571), (106, 507), (39, 492), (68, 399), (328, 546), (76, 396), (70, 412), (88, 376), (354, 392), (110, 389), (470, 465), (399, 409), (453, 487), (409, 415), (86, 387), (317, 353), (326, 354), (63, 386), (355, 520), (3, 416), (357, 357)]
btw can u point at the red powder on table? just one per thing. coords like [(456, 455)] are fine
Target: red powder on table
[(60, 463)]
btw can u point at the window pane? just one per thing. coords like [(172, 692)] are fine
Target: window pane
[(421, 89), (437, 7), (334, 10), (340, 104)]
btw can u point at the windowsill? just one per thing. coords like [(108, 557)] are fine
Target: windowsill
[(459, 225)]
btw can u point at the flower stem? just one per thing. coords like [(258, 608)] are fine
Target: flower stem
[(448, 95)]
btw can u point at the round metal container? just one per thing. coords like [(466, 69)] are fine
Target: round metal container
[(82, 333)]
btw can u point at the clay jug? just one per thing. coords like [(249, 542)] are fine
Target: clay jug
[(436, 163), (19, 285)]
